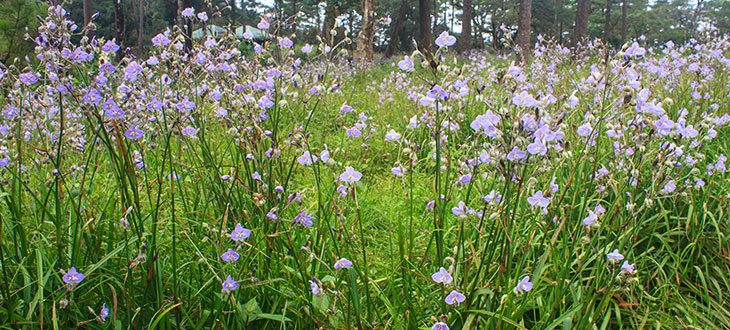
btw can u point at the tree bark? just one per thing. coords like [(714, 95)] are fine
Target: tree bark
[(140, 24), (87, 12), (329, 20), (581, 21), (523, 30), (395, 28), (607, 26), (623, 21), (424, 24), (120, 28), (556, 11), (466, 17), (365, 37)]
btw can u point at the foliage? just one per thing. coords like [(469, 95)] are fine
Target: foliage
[(290, 188)]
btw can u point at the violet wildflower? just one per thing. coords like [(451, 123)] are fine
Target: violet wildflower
[(445, 40), (240, 233), (523, 286), (628, 268), (669, 187), (304, 219), (307, 159), (538, 200), (230, 256), (614, 256), (73, 277), (229, 284), (440, 326), (286, 43), (134, 133), (189, 131), (343, 263), (313, 287), (455, 297), (406, 64), (263, 24), (188, 12), (350, 175), (306, 49), (537, 148), (442, 276), (160, 40), (392, 135), (103, 314)]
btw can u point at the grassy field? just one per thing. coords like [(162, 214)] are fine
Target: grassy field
[(283, 189)]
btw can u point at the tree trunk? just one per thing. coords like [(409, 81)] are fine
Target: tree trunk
[(607, 26), (367, 29), (180, 21), (395, 28), (140, 24), (424, 24), (556, 11), (329, 21), (581, 22), (466, 17), (623, 22), (523, 30), (87, 12), (293, 17), (119, 25)]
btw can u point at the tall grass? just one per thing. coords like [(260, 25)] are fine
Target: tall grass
[(142, 187)]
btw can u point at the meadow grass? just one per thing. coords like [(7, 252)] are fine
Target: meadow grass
[(586, 190)]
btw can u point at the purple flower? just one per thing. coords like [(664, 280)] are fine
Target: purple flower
[(134, 133), (306, 49), (230, 285), (538, 200), (92, 97), (669, 187), (517, 154), (263, 24), (445, 40), (240, 233), (230, 256), (307, 159), (188, 12), (345, 109), (524, 99), (314, 287), (104, 313), (343, 263), (455, 298), (72, 276), (28, 78), (350, 175), (304, 219), (590, 219), (537, 148), (397, 171), (614, 256), (189, 131), (442, 276), (286, 43), (523, 286), (436, 92), (626, 267), (110, 47), (440, 326), (406, 64), (256, 176), (392, 135), (635, 50)]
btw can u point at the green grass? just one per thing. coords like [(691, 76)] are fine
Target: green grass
[(164, 269)]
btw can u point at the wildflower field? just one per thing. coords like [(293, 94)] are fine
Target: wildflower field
[(211, 186)]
